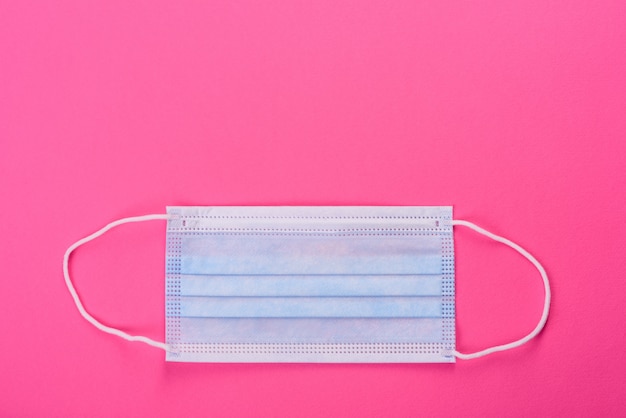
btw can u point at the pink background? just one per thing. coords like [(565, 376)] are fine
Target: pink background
[(513, 112)]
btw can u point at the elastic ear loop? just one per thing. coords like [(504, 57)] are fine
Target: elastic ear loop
[(546, 284), (77, 300)]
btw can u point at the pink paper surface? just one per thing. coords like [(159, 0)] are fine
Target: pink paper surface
[(513, 112)]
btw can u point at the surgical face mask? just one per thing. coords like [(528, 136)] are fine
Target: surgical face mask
[(310, 284)]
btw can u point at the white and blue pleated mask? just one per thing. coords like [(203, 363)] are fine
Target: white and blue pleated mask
[(309, 284)]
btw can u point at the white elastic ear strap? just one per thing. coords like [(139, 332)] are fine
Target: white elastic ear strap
[(546, 284), (153, 343), (79, 304)]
